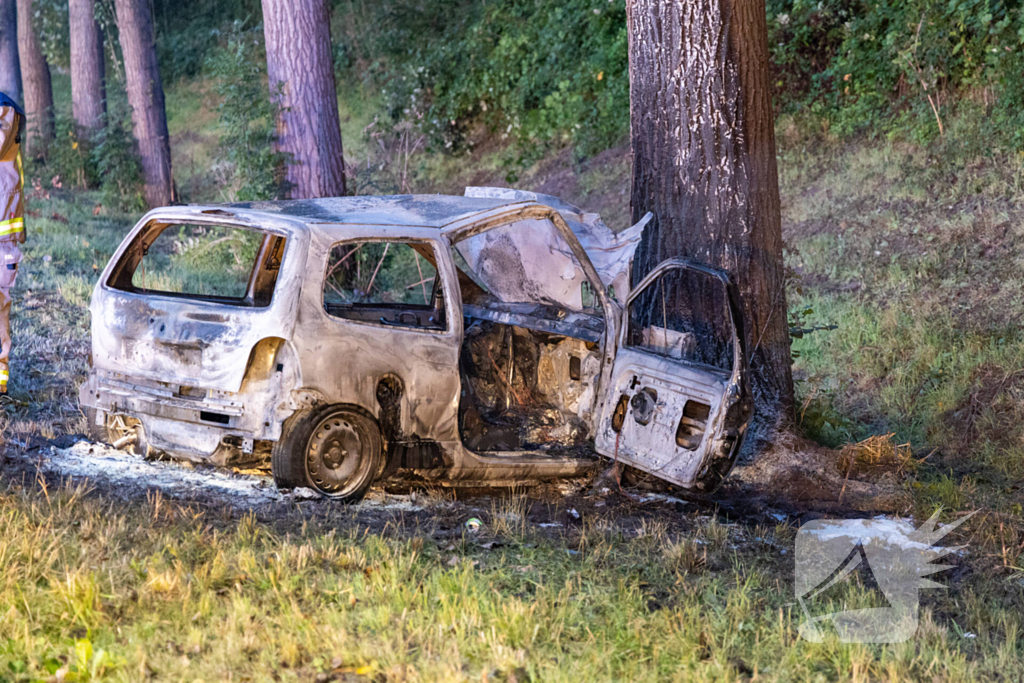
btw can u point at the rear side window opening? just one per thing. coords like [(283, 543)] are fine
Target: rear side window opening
[(385, 282), (203, 261)]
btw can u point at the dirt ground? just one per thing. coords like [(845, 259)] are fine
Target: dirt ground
[(795, 482)]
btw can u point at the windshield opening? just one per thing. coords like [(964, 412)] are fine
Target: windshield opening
[(525, 262)]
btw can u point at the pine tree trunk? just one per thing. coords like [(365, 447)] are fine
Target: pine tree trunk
[(299, 62), (704, 163), (146, 97), (10, 66), (35, 79), (88, 96)]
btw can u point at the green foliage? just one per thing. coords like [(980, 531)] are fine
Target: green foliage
[(107, 159), (50, 20), (189, 32), (248, 116), (538, 71), (116, 160), (70, 156), (900, 67)]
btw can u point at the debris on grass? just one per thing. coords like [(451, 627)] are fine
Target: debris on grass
[(877, 456), (798, 472)]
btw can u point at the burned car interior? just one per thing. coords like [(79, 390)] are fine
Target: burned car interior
[(530, 354)]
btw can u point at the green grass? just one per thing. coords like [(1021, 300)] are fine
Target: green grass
[(914, 255), (121, 592)]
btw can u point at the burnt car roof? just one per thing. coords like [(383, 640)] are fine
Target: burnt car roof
[(424, 210)]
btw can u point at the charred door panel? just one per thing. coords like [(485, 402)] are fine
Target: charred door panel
[(656, 394), (346, 352), (668, 409)]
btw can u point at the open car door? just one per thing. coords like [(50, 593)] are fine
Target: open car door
[(678, 401)]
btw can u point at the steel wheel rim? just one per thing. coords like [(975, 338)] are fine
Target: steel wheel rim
[(334, 459)]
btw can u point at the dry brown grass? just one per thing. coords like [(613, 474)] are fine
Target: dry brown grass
[(877, 455)]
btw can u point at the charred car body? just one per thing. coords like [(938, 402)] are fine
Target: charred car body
[(486, 339)]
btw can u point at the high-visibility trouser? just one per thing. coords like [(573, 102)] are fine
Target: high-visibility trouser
[(5, 334), (12, 226)]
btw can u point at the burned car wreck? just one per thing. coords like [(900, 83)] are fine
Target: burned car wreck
[(490, 339)]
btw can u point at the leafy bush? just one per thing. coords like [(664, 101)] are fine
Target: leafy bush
[(542, 71), (538, 71), (69, 155), (248, 116), (50, 21), (188, 32), (116, 159), (900, 67), (108, 159)]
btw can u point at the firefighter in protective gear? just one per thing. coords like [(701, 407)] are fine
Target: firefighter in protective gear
[(12, 221)]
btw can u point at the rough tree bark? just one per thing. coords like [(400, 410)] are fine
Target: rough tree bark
[(10, 66), (146, 97), (35, 79), (88, 93), (298, 39), (704, 163)]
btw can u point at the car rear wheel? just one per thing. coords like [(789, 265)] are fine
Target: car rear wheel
[(336, 451)]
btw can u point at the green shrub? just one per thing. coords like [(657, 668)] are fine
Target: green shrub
[(116, 159), (189, 32), (248, 116), (50, 21), (900, 68), (549, 71), (536, 71), (70, 156)]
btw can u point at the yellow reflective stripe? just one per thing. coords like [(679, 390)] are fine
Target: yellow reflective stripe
[(9, 227), (4, 376)]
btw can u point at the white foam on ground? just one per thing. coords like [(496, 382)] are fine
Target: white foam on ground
[(107, 465), (881, 530)]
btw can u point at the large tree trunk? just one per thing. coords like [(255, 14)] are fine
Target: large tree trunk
[(146, 97), (703, 142), (35, 79), (298, 38), (10, 65), (88, 96)]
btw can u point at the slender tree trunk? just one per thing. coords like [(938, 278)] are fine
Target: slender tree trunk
[(35, 79), (88, 92), (703, 142), (146, 97), (299, 63), (10, 66)]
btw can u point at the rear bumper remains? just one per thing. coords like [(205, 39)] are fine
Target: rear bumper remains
[(199, 424)]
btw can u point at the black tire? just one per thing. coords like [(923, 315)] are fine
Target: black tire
[(336, 451)]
